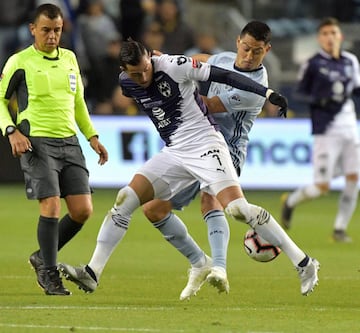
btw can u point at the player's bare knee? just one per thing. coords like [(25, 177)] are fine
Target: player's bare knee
[(83, 214), (156, 210), (153, 215)]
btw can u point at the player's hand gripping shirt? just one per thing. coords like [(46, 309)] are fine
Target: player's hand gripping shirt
[(49, 94)]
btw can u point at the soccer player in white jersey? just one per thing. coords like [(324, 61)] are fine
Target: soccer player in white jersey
[(165, 89), (327, 82), (235, 112)]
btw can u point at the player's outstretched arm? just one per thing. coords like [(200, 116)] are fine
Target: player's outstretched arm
[(242, 82)]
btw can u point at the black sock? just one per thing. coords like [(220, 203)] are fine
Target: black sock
[(91, 272), (48, 235), (68, 228), (304, 262)]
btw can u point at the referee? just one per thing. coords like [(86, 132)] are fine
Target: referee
[(50, 99)]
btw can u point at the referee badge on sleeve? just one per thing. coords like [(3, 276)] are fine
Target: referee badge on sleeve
[(72, 82)]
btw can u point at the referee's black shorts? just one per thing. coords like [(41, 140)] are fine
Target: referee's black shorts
[(55, 167)]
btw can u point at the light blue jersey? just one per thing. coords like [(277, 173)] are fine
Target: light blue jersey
[(242, 107)]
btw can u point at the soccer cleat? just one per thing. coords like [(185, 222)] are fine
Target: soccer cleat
[(308, 276), (197, 277), (341, 236), (218, 279), (38, 265), (79, 276), (286, 212), (53, 284)]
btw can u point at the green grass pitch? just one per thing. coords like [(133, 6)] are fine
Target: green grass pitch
[(139, 290)]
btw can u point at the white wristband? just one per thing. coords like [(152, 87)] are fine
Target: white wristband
[(268, 93)]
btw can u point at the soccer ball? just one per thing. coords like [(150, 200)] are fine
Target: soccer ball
[(258, 248)]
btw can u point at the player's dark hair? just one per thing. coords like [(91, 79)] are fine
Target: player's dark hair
[(49, 10), (257, 29), (328, 21), (131, 53)]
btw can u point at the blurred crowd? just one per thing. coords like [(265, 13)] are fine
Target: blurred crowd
[(95, 29)]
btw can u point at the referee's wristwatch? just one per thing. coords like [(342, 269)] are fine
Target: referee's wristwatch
[(10, 130)]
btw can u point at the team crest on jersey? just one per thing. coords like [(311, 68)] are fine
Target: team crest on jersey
[(234, 99), (72, 82), (164, 88), (159, 114)]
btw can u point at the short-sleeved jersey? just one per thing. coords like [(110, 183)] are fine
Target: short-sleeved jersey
[(324, 78), (172, 100), (242, 107), (49, 92)]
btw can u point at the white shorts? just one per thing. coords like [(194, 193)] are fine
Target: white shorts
[(335, 156), (174, 169)]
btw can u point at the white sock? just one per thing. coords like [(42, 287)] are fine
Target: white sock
[(347, 205), (266, 226), (113, 229), (302, 194)]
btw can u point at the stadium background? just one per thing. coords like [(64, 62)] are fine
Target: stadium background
[(281, 153)]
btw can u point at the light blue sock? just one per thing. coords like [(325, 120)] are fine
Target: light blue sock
[(218, 236), (176, 233)]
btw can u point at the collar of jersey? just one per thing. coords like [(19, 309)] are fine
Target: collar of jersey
[(54, 55)]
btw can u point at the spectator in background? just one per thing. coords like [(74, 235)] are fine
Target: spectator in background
[(205, 42), (153, 36), (178, 34), (95, 29), (123, 105), (108, 76), (14, 17), (112, 8), (134, 15)]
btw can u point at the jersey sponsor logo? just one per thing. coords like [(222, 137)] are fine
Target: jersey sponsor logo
[(72, 82), (159, 114), (164, 88)]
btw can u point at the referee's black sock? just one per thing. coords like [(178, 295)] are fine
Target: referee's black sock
[(48, 235), (68, 228)]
